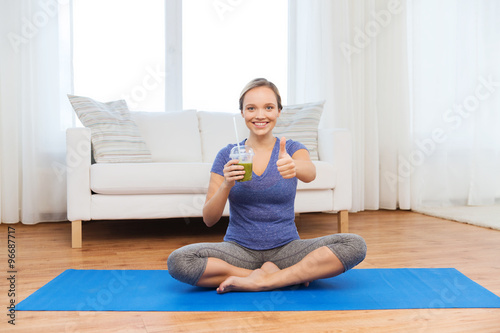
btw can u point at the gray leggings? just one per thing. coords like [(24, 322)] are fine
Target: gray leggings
[(188, 263)]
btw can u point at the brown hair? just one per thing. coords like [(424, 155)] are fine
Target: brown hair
[(260, 82)]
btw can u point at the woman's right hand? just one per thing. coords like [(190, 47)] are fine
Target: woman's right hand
[(233, 172)]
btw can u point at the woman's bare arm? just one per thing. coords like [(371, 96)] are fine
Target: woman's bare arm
[(218, 191)]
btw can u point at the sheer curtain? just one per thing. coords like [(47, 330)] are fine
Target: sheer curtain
[(455, 159), (418, 85), (35, 75), (353, 54)]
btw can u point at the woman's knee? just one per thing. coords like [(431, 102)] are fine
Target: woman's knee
[(350, 249), (186, 265), (175, 262), (359, 246)]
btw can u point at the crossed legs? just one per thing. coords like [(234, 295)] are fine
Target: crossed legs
[(230, 267), (319, 264)]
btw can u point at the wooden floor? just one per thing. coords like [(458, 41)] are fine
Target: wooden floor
[(394, 238)]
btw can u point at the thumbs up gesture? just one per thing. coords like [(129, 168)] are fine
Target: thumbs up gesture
[(285, 163)]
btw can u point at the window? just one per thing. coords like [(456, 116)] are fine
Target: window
[(227, 43), (119, 51)]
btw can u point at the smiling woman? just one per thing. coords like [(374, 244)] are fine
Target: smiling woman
[(262, 249)]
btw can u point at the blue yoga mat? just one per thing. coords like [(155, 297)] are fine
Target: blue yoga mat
[(357, 289)]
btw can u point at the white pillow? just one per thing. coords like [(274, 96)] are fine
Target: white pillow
[(115, 137), (171, 136), (217, 131), (300, 123)]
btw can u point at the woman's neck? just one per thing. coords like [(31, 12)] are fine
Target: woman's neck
[(261, 142)]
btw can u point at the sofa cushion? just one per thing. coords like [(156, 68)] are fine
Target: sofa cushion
[(170, 136), (154, 206), (176, 178), (217, 131), (300, 123), (326, 175), (149, 178), (115, 136)]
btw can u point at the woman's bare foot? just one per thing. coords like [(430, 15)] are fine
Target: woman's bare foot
[(270, 267), (259, 280), (256, 281)]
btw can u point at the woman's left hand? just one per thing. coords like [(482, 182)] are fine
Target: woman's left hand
[(285, 163)]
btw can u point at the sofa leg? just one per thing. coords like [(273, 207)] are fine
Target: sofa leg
[(343, 221), (76, 234)]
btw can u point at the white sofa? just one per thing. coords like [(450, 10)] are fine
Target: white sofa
[(183, 145)]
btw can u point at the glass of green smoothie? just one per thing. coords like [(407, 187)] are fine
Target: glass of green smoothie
[(244, 155)]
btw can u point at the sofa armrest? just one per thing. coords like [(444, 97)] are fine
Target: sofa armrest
[(335, 146), (78, 160)]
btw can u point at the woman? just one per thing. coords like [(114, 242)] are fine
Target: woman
[(262, 249)]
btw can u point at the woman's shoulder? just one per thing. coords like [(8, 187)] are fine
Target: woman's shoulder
[(293, 145), (230, 146), (224, 151)]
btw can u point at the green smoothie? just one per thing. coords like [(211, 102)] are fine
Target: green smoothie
[(248, 172)]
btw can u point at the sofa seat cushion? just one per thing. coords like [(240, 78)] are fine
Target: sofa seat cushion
[(149, 178), (176, 178), (326, 175)]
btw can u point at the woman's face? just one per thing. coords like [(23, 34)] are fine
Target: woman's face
[(260, 110)]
